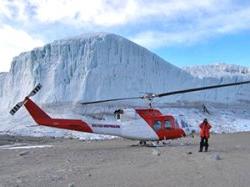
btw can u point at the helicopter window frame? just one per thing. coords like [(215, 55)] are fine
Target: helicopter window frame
[(157, 125), (167, 124), (177, 124)]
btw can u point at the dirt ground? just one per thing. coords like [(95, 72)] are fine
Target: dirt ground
[(72, 163)]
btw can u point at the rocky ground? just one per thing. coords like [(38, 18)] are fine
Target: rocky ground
[(118, 162)]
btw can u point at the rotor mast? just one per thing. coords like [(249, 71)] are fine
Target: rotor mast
[(148, 97)]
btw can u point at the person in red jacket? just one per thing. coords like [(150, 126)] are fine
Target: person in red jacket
[(204, 134)]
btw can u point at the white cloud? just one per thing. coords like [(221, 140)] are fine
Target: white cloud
[(229, 21), (14, 9), (106, 12), (151, 23), (155, 39), (4, 9), (96, 12), (173, 8), (12, 43), (204, 27)]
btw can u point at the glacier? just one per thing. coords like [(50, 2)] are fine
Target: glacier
[(102, 66)]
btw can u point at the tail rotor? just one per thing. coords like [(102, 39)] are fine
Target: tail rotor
[(20, 104)]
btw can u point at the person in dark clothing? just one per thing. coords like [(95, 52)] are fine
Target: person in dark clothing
[(204, 134)]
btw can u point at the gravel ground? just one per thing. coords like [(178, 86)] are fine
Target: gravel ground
[(118, 162)]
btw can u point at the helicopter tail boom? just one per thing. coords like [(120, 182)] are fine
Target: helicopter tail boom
[(41, 118)]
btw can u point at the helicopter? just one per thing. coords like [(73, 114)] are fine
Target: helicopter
[(143, 124)]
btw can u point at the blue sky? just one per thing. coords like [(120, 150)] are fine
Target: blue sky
[(183, 32), (231, 49)]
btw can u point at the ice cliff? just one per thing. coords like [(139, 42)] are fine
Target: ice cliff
[(89, 67)]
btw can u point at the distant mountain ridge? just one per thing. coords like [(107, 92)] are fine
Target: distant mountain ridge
[(218, 70)]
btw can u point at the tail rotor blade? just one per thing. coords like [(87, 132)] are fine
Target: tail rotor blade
[(35, 90), (16, 108)]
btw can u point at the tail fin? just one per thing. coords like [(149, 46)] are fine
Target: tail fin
[(20, 104), (35, 111)]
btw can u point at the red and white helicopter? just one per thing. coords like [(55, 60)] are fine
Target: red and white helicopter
[(148, 124)]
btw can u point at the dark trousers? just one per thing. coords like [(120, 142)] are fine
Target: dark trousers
[(204, 143)]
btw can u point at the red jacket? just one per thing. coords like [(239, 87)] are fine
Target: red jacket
[(204, 132)]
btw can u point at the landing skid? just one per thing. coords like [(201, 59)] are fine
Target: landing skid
[(155, 144), (150, 144)]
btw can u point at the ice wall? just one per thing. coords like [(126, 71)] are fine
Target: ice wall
[(89, 67)]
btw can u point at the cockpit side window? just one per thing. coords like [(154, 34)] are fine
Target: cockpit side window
[(157, 125), (167, 124)]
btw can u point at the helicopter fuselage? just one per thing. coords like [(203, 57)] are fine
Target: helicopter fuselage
[(150, 124)]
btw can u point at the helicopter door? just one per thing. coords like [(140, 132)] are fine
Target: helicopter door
[(169, 129), (164, 128), (162, 125)]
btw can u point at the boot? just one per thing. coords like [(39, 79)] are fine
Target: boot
[(206, 148), (201, 147)]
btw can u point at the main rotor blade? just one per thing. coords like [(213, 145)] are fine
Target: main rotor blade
[(108, 100), (169, 93), (201, 88)]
